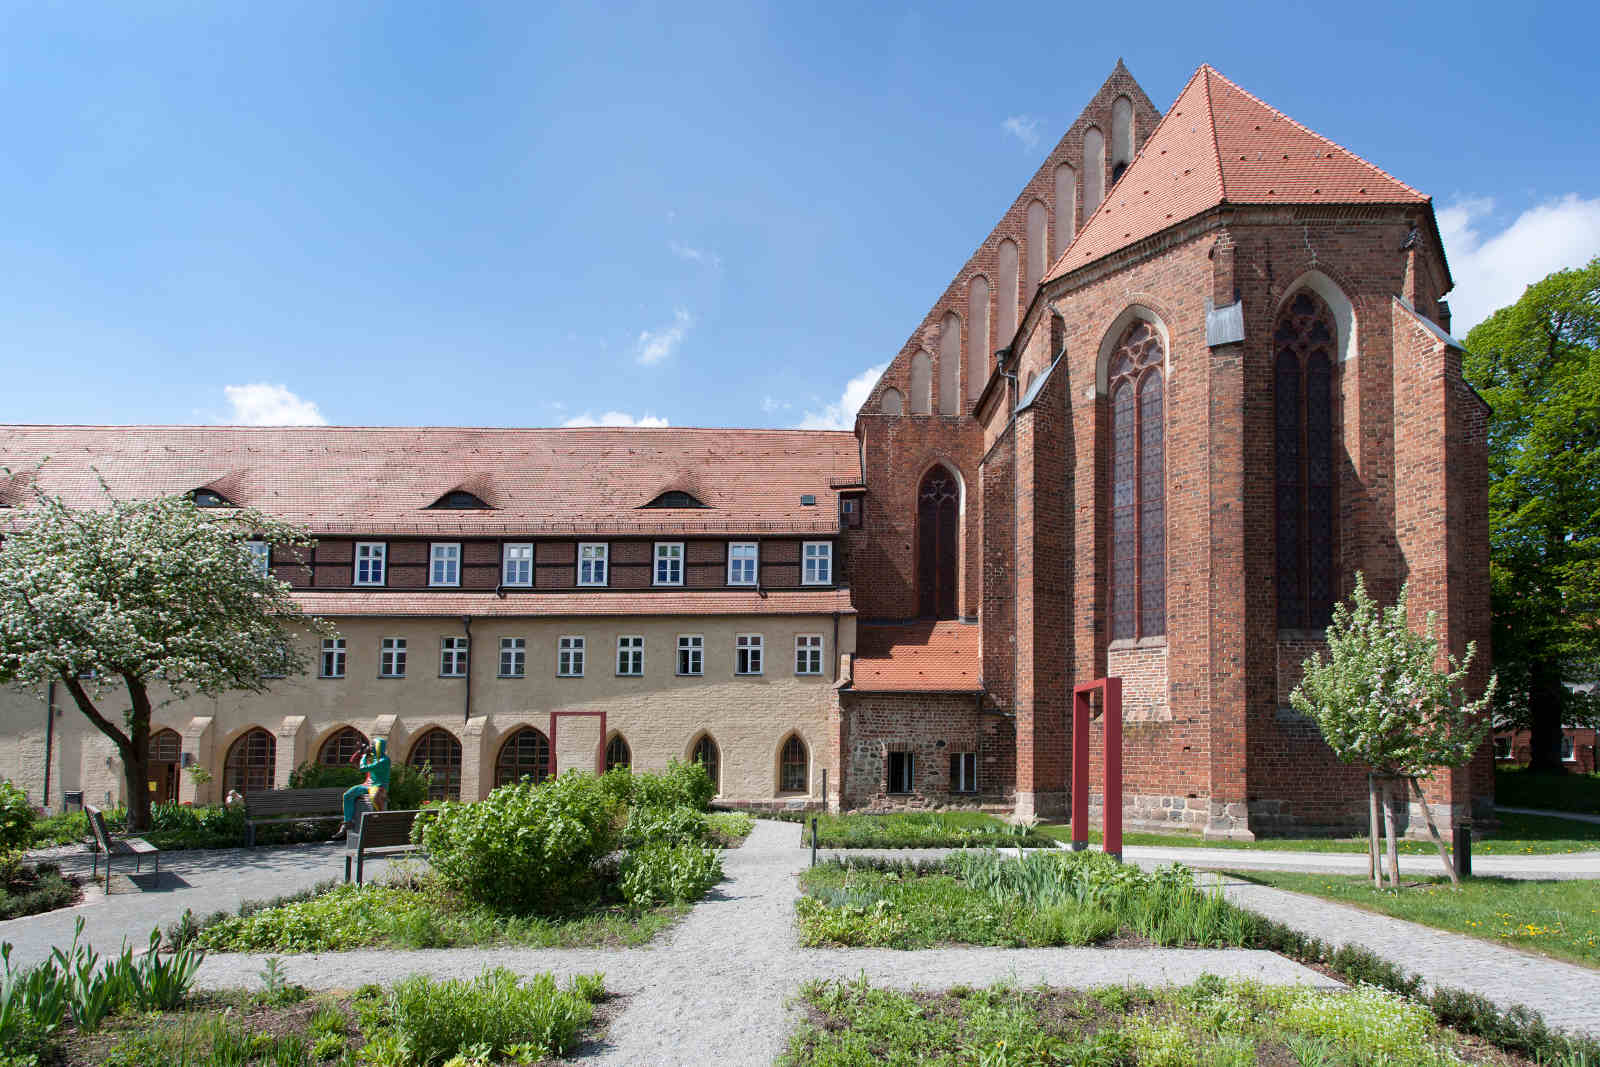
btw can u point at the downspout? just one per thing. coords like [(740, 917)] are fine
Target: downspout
[(466, 625), (49, 739)]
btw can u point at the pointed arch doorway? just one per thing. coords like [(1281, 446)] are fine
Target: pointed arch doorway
[(938, 528)]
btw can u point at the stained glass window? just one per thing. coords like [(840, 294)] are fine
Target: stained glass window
[(1138, 486), (1304, 441)]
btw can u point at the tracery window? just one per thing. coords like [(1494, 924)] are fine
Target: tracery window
[(1138, 486), (526, 754), (1303, 402), (794, 765)]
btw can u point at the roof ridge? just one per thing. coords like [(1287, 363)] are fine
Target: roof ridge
[(1211, 126), (1303, 128)]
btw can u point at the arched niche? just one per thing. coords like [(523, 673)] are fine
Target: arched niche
[(1094, 169), (891, 402), (1066, 206), (950, 364), (1339, 305), (922, 384), (977, 336)]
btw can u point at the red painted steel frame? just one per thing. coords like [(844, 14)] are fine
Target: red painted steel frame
[(600, 750), (1111, 698)]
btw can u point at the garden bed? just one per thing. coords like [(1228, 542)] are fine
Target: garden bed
[(920, 829), (1210, 1022), (31, 889)]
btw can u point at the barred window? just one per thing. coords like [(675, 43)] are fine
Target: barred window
[(526, 754), (794, 766), (440, 752), (1304, 436), (705, 752), (341, 748), (251, 763), (1138, 486), (618, 753)]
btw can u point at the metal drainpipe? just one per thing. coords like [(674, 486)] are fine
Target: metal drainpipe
[(466, 625), (49, 739)]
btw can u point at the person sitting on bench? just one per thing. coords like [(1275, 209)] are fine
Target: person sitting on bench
[(375, 762)]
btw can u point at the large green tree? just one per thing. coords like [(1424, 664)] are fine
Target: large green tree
[(137, 603), (1537, 363)]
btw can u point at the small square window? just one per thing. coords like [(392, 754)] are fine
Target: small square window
[(747, 654), (513, 657), (630, 656), (392, 658), (808, 654), (445, 565), (517, 564), (260, 557), (963, 772), (452, 657), (691, 654), (371, 556), (902, 772), (592, 563), (743, 558), (669, 563), (818, 563), (332, 665), (569, 658)]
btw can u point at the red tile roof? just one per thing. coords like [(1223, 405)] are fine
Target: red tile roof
[(589, 603), (354, 480), (927, 657), (1219, 144)]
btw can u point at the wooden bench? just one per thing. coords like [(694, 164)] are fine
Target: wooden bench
[(290, 805), (137, 847), (380, 833)]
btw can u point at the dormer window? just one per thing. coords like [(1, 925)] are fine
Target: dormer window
[(209, 498), (460, 500), (675, 498)]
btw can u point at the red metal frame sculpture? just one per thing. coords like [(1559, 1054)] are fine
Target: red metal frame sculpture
[(1110, 690), (600, 749)]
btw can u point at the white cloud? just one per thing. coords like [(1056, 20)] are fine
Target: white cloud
[(1492, 269), (841, 415), (695, 255), (1024, 128), (261, 404), (770, 403), (615, 418), (654, 346)]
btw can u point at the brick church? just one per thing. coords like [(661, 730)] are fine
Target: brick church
[(1196, 378)]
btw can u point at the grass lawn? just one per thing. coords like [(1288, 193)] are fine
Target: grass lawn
[(919, 829), (1556, 918), (984, 898), (1519, 787), (1517, 835), (1210, 1022)]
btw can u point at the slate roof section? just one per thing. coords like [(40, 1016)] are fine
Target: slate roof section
[(380, 481), (919, 657), (590, 603), (1219, 144)]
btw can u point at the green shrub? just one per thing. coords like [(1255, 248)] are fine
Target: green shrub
[(682, 785), (16, 819), (314, 775), (32, 890), (65, 828), (524, 847), (408, 786), (489, 1017), (179, 826), (667, 826), (669, 874)]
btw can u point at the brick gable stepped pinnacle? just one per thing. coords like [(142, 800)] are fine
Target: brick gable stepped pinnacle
[(1218, 144)]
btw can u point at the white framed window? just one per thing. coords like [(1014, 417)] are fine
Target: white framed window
[(808, 654), (1502, 747), (594, 560), (1569, 751), (332, 665), (691, 654), (444, 566), (260, 557), (569, 657), (747, 650), (452, 657), (372, 558), (818, 563), (392, 658), (743, 559), (513, 657), (669, 563), (630, 655), (516, 564), (963, 772), (902, 777)]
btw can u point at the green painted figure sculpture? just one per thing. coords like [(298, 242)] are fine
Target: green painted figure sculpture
[(375, 762)]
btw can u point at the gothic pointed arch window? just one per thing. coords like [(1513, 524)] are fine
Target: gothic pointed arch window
[(938, 524), (251, 763), (525, 754), (1138, 485), (1304, 342)]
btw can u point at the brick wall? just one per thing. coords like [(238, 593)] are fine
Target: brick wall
[(931, 726)]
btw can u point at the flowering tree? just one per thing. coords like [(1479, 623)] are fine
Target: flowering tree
[(143, 601), (1381, 699)]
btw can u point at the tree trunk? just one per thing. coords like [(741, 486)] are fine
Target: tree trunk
[(1374, 871), (1546, 701), (1388, 828), (136, 757)]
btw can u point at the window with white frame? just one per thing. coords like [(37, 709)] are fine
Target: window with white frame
[(743, 558), (593, 563), (371, 557), (516, 564), (332, 665), (452, 657), (808, 654), (669, 563), (569, 657), (630, 655), (963, 772), (513, 657), (691, 654), (260, 557), (902, 776), (1502, 747), (818, 563), (392, 658), (445, 564), (747, 649), (1569, 751)]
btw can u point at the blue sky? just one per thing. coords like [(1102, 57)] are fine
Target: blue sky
[(519, 214)]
